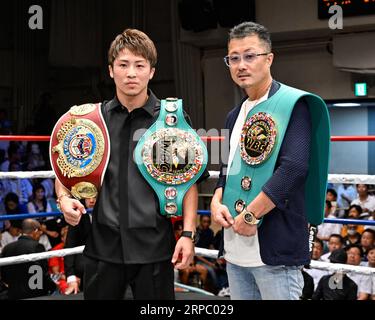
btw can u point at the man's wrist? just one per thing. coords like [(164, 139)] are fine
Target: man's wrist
[(191, 234), (60, 197), (249, 217)]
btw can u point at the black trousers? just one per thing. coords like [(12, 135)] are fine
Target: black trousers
[(104, 280)]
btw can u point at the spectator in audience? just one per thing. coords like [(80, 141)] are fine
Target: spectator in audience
[(14, 155), (352, 236), (49, 226), (35, 160), (13, 233), (335, 242), (205, 240), (317, 250), (56, 264), (76, 236), (21, 187), (367, 241), (38, 203), (205, 233), (346, 193), (366, 201), (370, 258), (315, 274), (17, 276), (351, 232), (371, 264), (337, 286), (326, 229), (12, 206), (363, 281), (332, 198)]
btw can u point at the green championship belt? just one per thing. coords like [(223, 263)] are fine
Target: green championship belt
[(171, 157), (261, 138)]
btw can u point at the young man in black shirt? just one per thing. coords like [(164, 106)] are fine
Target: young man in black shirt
[(130, 243)]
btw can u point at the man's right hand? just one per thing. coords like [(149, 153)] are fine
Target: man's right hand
[(72, 210), (221, 215), (219, 212)]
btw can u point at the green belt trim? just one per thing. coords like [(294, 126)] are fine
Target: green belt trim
[(159, 187), (280, 107)]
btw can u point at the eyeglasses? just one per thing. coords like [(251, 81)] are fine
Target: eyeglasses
[(248, 57)]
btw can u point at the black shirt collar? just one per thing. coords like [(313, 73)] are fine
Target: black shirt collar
[(151, 102)]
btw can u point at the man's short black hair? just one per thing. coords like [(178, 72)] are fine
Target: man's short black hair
[(353, 245), (370, 231), (246, 29), (338, 236)]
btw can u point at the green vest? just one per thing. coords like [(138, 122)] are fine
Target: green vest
[(261, 138)]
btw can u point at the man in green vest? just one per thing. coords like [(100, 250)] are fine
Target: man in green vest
[(276, 171)]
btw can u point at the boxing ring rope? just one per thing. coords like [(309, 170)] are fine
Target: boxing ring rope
[(333, 178), (333, 267), (204, 138), (22, 216)]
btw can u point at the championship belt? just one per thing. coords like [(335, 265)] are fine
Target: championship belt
[(261, 139), (79, 150), (171, 157)]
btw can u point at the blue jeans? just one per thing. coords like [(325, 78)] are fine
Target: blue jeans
[(265, 282)]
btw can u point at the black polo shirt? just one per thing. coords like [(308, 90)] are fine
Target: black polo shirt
[(127, 226)]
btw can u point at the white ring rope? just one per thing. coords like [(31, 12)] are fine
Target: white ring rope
[(198, 251), (66, 252), (332, 178), (334, 267), (27, 174), (40, 256)]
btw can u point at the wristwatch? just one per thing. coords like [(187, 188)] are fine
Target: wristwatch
[(250, 218), (190, 234)]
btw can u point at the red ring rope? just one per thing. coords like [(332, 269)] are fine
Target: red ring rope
[(209, 138)]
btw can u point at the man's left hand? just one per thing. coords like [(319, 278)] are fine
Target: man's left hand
[(185, 247), (242, 228)]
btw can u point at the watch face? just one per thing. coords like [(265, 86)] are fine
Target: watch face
[(249, 218)]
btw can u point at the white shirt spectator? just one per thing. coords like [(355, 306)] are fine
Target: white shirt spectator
[(7, 238), (363, 282), (369, 203), (45, 242), (326, 229)]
